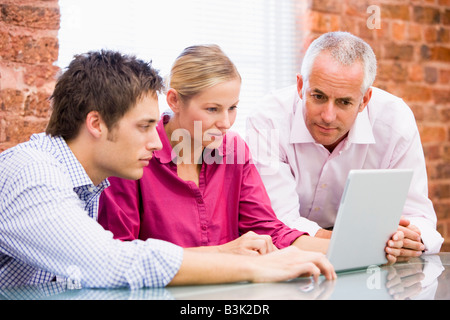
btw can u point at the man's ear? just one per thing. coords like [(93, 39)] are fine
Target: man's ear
[(366, 99), (300, 85), (173, 100), (94, 124)]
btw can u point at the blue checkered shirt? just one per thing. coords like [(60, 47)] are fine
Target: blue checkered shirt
[(48, 227)]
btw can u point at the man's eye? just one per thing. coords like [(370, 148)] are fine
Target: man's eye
[(318, 97), (144, 127), (344, 103)]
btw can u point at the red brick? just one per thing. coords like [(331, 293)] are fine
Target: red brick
[(431, 74), (426, 15), (399, 72), (3, 125), (445, 247), (26, 49), (415, 72), (414, 93), (31, 16), (329, 6), (431, 113), (418, 110), (435, 53), (358, 8), (446, 153), (398, 51), (321, 23), (414, 32), (443, 35), (399, 31), (446, 17), (20, 129), (430, 34), (432, 152), (444, 114), (440, 53), (442, 210), (443, 170), (384, 71), (432, 133), (40, 75), (390, 11), (37, 104), (444, 75), (441, 96), (364, 32), (11, 101)]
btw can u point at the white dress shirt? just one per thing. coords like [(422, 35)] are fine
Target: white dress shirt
[(305, 181)]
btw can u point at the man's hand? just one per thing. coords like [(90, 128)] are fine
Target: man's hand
[(292, 262), (279, 265), (322, 233), (405, 243)]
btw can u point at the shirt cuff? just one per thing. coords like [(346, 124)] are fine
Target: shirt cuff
[(305, 225)]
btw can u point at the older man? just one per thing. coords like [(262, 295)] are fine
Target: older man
[(333, 121)]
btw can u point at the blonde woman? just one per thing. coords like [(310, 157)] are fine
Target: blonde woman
[(201, 190)]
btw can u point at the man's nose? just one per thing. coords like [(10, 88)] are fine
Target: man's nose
[(154, 142), (329, 112)]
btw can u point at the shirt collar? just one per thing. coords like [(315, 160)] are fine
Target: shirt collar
[(360, 133), (77, 174)]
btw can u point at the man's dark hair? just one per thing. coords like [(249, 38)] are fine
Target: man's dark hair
[(104, 81)]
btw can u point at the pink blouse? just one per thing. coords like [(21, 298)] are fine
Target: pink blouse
[(229, 201)]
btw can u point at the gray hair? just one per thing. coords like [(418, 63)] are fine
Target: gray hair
[(346, 49)]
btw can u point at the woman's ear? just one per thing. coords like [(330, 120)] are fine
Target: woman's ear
[(94, 124), (173, 100)]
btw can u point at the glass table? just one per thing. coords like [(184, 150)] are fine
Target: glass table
[(424, 278)]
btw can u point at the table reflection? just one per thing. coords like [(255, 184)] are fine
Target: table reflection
[(427, 277)]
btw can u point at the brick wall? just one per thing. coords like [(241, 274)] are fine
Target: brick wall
[(412, 42), (28, 50)]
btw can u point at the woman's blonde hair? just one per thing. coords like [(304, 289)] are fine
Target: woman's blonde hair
[(200, 67)]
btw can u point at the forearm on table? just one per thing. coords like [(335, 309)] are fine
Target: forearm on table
[(309, 243), (200, 268)]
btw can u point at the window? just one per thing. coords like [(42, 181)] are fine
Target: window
[(257, 35)]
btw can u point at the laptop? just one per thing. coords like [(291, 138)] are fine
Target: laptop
[(370, 210)]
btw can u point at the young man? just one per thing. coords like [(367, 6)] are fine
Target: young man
[(103, 124), (331, 122)]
